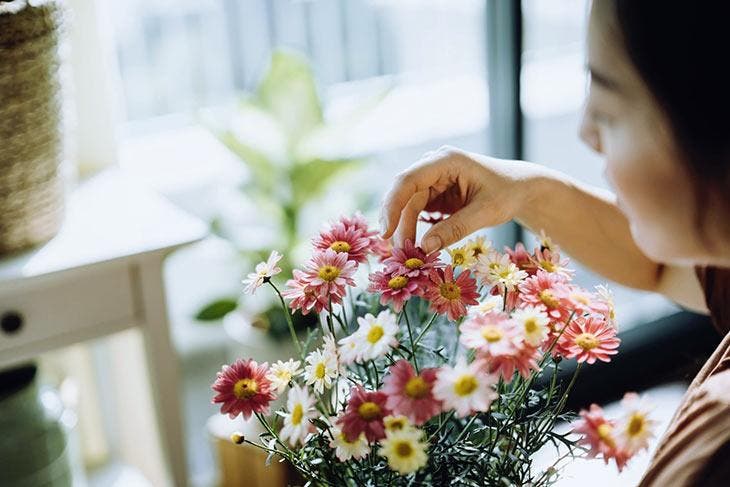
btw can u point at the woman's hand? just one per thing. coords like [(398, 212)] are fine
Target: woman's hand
[(476, 191)]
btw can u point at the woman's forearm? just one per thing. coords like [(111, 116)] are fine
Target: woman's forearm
[(587, 224)]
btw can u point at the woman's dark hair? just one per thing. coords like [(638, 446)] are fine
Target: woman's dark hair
[(680, 49)]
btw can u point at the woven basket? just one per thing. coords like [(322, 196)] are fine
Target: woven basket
[(31, 139)]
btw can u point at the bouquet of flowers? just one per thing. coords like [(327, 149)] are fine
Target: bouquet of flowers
[(436, 372)]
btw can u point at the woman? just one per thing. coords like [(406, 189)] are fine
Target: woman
[(658, 113)]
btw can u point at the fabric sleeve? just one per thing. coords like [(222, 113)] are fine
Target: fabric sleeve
[(688, 457)]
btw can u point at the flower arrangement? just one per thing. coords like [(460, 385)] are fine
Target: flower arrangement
[(436, 371)]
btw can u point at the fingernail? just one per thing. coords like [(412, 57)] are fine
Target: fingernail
[(383, 225), (431, 244)]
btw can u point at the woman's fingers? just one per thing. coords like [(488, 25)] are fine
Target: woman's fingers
[(409, 218), (427, 173), (453, 228)]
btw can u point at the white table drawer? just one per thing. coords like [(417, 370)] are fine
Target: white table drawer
[(54, 312)]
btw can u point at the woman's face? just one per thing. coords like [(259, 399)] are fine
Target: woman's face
[(623, 122)]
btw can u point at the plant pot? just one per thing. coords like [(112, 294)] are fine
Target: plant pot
[(245, 464)]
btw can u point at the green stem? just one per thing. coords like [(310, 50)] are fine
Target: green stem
[(425, 328), (410, 335), (289, 321), (466, 428)]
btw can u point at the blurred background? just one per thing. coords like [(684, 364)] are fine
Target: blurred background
[(261, 119)]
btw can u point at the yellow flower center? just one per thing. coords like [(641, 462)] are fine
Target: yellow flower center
[(450, 291), (328, 273), (416, 388), (395, 424), (376, 333), (404, 449), (414, 263), (297, 414), (531, 326), (458, 258), (548, 266), (398, 282), (340, 246), (505, 273), (548, 298), (368, 410), (465, 385), (636, 425), (586, 341), (604, 433), (319, 371), (492, 334), (245, 388), (343, 439)]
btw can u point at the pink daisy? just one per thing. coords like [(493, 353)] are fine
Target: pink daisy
[(359, 223), (243, 388), (328, 272), (523, 360), (551, 261), (599, 435), (394, 289), (343, 240), (522, 259), (549, 292), (303, 296), (410, 394), (364, 414), (381, 248), (589, 338), (490, 333), (411, 261), (451, 296)]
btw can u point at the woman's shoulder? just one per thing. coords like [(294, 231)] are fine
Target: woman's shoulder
[(715, 282)]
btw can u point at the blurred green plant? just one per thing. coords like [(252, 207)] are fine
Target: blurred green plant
[(280, 134)]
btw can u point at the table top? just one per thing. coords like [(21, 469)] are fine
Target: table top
[(108, 217)]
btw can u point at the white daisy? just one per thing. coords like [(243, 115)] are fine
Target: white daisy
[(405, 450), (376, 336), (264, 272), (461, 257), (478, 246), (321, 370), (465, 388), (348, 349), (547, 243), (534, 324), (493, 302), (497, 269), (344, 449), (606, 295), (300, 407), (634, 430), (330, 348), (281, 373)]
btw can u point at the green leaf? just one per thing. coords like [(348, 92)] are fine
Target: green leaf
[(289, 92), (309, 179), (217, 309)]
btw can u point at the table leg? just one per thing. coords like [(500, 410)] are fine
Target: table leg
[(163, 366)]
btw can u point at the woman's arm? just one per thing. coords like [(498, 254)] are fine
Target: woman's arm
[(589, 226), (479, 191)]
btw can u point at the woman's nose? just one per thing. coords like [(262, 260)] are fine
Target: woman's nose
[(588, 133)]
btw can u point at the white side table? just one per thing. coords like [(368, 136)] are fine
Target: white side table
[(100, 275)]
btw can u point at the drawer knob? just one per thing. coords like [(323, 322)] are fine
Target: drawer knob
[(11, 322)]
